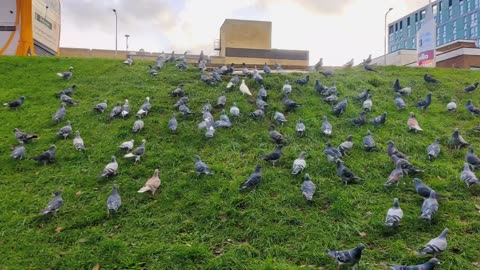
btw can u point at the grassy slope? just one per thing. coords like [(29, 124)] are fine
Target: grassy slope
[(205, 222)]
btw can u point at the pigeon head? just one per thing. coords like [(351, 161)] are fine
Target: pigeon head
[(174, 115), (325, 118), (434, 261), (52, 147), (272, 127), (114, 159), (77, 133), (369, 132), (126, 101), (476, 84), (437, 140), (384, 113), (328, 144), (300, 120), (454, 100), (197, 158), (349, 138), (307, 77), (303, 154), (147, 98), (390, 143), (398, 95), (339, 162), (395, 203), (279, 146), (307, 177), (429, 94), (257, 169), (445, 232), (119, 103), (69, 123), (361, 247), (470, 149), (22, 98), (58, 193), (235, 104), (70, 68), (144, 141), (16, 130), (417, 181), (469, 102), (115, 188), (433, 195), (150, 66), (155, 173), (412, 114)]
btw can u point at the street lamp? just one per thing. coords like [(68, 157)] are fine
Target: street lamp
[(385, 39), (126, 37), (116, 30)]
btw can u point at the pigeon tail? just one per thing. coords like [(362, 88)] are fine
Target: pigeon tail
[(144, 189)]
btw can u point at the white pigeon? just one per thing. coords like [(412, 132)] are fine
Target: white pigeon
[(138, 125), (127, 146), (299, 164), (287, 88), (244, 89), (452, 106), (125, 109), (234, 110), (78, 142)]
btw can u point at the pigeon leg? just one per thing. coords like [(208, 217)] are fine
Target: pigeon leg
[(338, 266)]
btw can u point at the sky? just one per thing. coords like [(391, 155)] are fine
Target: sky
[(336, 30)]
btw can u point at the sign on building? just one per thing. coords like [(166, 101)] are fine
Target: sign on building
[(426, 40)]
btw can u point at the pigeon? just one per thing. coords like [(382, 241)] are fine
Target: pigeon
[(224, 121), (395, 176), (207, 79), (66, 130), (471, 108), (261, 103), (244, 88), (430, 265), (114, 201), (222, 100), (413, 123), (326, 127), (396, 85), (245, 70), (318, 65), (172, 123), (349, 64), (303, 81), (394, 215), (300, 127), (233, 82), (182, 65), (369, 142), (160, 62), (361, 120), (287, 88), (100, 107), (407, 167), (137, 125), (19, 151), (277, 66), (182, 57), (60, 113), (207, 120), (280, 118), (138, 152), (210, 131), (23, 136), (266, 69), (341, 107), (424, 190), (110, 169), (67, 99), (184, 109), (472, 159), (363, 95), (171, 58), (216, 75), (153, 72), (16, 103), (234, 110), (299, 164), (262, 93), (457, 141), (345, 174), (201, 167), (379, 120), (452, 106), (471, 88), (257, 77), (424, 104), (47, 156), (331, 90), (433, 150), (436, 245), (66, 75), (429, 206), (319, 88), (368, 60), (468, 177), (399, 102), (369, 68), (346, 146), (290, 105), (177, 92), (201, 57), (127, 146), (152, 184), (274, 156), (349, 257), (429, 79), (69, 91), (406, 91), (253, 180), (332, 98), (202, 65), (183, 100), (367, 104), (146, 107), (117, 110), (332, 153), (207, 107), (129, 60), (78, 142), (392, 150), (327, 73), (229, 70), (257, 114), (125, 109), (54, 204), (308, 188)]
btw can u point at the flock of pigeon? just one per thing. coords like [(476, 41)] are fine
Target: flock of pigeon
[(333, 154)]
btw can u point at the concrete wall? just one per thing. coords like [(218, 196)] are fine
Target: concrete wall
[(397, 58), (94, 53), (245, 34)]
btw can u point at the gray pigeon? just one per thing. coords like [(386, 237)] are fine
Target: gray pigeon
[(184, 109), (326, 127), (430, 265), (407, 167), (399, 102), (369, 68), (341, 107), (300, 127), (395, 176), (23, 136), (346, 146), (290, 105), (201, 167), (152, 71), (233, 82), (430, 79), (319, 88), (394, 215), (299, 164), (471, 108), (210, 131), (345, 174), (436, 245), (331, 90), (257, 114), (172, 123), (47, 156), (471, 88), (127, 146), (100, 107), (54, 204), (367, 104), (279, 118), (379, 120), (207, 107), (424, 104), (363, 95), (223, 122), (349, 257), (468, 177), (66, 130), (222, 100), (183, 100), (138, 125), (78, 142), (253, 180), (406, 91), (331, 99), (327, 73), (472, 159), (67, 99), (262, 93), (177, 92), (303, 81), (19, 151), (117, 110), (452, 106), (369, 142), (138, 152), (308, 188), (392, 150), (110, 169), (274, 156), (60, 113), (114, 201), (261, 103), (234, 110), (429, 206), (318, 66), (125, 109), (266, 69), (16, 103), (360, 120), (457, 141), (66, 75), (332, 153), (424, 190), (433, 150), (145, 108), (287, 88)]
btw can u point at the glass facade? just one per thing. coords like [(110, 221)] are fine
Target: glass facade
[(456, 20)]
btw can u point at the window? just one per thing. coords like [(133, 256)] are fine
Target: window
[(438, 36), (413, 43), (390, 29), (440, 6), (396, 27), (465, 32), (454, 30), (408, 21), (444, 35), (422, 15), (416, 17), (434, 9), (473, 25), (401, 25), (450, 3), (469, 6), (462, 8)]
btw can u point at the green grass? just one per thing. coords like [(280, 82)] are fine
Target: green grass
[(204, 222)]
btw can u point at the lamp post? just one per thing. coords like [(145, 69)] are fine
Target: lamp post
[(385, 39), (116, 30), (126, 37)]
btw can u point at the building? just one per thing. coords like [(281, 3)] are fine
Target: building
[(29, 27)]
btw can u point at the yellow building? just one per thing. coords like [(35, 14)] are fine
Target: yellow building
[(29, 27)]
